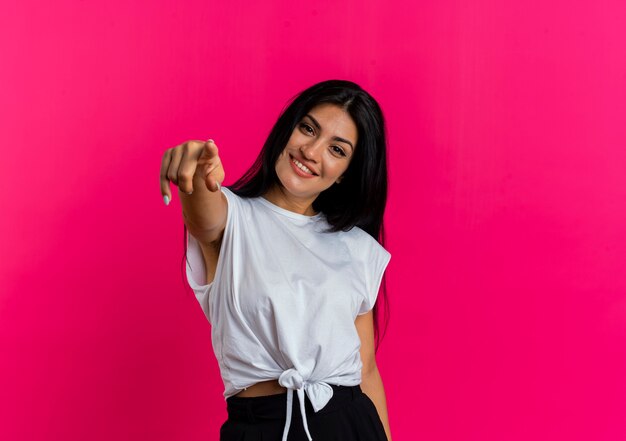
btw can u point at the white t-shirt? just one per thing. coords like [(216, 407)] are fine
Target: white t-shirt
[(285, 297)]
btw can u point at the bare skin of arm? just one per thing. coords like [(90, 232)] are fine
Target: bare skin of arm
[(371, 381)]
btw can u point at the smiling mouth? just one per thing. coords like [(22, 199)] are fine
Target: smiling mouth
[(301, 166)]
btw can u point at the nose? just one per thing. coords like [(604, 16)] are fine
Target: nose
[(312, 150)]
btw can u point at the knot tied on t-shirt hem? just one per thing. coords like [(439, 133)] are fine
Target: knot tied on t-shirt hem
[(319, 394)]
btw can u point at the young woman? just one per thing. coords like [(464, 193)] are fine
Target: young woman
[(287, 264)]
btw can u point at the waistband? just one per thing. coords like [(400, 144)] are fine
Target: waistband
[(272, 407)]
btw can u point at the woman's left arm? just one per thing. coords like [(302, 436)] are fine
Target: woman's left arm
[(371, 382)]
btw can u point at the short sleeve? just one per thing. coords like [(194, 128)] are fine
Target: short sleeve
[(196, 268), (376, 264)]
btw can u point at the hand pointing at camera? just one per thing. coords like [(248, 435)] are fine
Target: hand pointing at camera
[(189, 164)]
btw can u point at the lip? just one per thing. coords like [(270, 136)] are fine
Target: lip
[(297, 169)]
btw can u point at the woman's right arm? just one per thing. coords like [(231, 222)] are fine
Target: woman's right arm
[(195, 167)]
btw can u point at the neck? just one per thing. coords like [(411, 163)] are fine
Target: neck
[(278, 196)]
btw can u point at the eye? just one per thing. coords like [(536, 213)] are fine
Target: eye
[(306, 128), (339, 150)]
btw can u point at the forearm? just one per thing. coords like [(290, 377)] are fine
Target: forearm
[(372, 385), (203, 208)]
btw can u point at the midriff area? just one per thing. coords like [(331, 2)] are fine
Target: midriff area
[(270, 387)]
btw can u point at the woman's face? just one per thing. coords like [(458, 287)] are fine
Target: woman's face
[(322, 142)]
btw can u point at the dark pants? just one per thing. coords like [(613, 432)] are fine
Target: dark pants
[(349, 415)]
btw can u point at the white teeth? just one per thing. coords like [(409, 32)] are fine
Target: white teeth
[(301, 166)]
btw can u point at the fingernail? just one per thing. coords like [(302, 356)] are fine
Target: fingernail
[(166, 199), (190, 192), (219, 186), (210, 140)]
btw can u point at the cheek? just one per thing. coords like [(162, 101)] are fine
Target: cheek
[(293, 136), (339, 166), (283, 160), (297, 138)]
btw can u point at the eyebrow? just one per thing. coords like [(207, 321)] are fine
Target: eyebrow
[(335, 138)]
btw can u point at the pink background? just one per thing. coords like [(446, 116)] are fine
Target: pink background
[(506, 216)]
